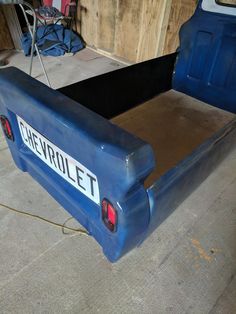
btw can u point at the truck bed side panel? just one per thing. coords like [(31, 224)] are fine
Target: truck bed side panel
[(115, 92)]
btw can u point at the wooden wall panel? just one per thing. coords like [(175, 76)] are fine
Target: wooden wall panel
[(128, 27), (135, 30), (153, 27), (13, 25), (181, 11), (107, 24), (5, 37), (89, 21)]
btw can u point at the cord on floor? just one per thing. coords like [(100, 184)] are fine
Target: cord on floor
[(81, 231)]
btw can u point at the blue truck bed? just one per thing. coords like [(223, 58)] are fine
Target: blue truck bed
[(120, 151)]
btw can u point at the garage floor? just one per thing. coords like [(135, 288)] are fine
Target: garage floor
[(187, 265)]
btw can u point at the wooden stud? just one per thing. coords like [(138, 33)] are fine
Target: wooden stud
[(5, 37)]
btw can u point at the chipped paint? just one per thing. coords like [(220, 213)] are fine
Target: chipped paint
[(202, 253)]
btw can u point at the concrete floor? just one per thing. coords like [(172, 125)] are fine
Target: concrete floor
[(187, 265), (81, 66)]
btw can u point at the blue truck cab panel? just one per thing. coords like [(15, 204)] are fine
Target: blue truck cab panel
[(64, 139), (206, 67)]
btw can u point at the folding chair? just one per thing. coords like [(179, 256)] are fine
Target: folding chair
[(28, 9), (67, 9)]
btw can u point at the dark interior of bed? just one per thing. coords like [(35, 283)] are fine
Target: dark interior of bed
[(141, 100)]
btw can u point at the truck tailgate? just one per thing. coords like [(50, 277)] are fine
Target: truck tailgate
[(80, 158)]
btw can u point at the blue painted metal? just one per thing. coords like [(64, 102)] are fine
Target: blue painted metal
[(121, 161), (174, 186), (206, 66)]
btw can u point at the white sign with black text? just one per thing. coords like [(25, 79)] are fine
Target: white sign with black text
[(63, 164)]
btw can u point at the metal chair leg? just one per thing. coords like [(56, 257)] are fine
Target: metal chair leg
[(34, 43), (32, 46), (42, 65)]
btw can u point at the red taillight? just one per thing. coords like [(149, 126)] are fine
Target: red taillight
[(109, 215), (6, 128)]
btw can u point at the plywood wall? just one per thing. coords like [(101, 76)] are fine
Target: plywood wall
[(5, 37), (181, 10), (134, 30)]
